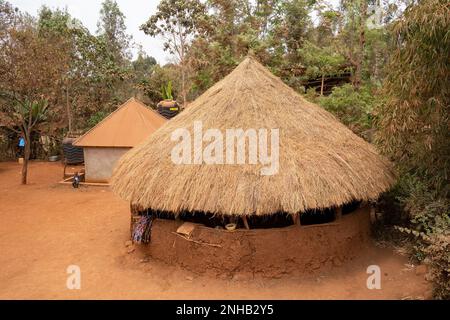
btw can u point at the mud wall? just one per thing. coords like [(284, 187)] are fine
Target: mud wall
[(100, 161), (261, 252)]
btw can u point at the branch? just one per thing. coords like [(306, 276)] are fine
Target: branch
[(198, 242)]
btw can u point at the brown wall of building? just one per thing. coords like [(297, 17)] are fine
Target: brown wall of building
[(100, 161), (263, 252)]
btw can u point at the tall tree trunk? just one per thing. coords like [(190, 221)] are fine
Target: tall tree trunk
[(182, 56), (68, 110), (26, 129), (183, 83), (322, 84), (26, 156), (362, 41), (376, 68)]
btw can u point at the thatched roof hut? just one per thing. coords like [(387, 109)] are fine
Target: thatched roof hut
[(321, 162)]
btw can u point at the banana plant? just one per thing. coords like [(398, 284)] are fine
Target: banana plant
[(32, 111), (166, 91), (22, 117)]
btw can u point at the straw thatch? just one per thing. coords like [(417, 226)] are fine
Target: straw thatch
[(322, 163)]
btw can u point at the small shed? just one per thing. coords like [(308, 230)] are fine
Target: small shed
[(104, 144)]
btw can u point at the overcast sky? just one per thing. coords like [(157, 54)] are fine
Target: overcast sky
[(88, 11)]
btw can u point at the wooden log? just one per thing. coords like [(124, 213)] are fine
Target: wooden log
[(296, 219), (244, 219), (196, 241)]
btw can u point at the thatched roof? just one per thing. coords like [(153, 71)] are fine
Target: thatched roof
[(127, 126), (322, 163)]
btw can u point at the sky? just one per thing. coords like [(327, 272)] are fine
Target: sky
[(88, 11)]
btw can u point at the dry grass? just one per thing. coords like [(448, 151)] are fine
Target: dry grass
[(322, 163)]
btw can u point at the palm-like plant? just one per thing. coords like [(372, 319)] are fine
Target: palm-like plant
[(166, 91), (33, 111), (22, 116)]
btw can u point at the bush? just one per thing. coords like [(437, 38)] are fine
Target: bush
[(96, 118), (353, 107), (430, 225), (438, 259), (428, 211)]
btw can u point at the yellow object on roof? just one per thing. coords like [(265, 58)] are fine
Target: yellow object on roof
[(127, 126)]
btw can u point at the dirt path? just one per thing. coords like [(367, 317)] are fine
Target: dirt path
[(45, 227)]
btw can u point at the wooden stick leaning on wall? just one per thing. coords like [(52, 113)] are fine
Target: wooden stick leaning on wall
[(244, 219), (296, 219)]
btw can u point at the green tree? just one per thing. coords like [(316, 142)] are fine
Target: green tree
[(353, 34), (296, 25), (143, 64), (159, 77), (32, 68), (55, 23), (414, 120), (353, 107), (414, 125), (176, 21), (143, 68), (235, 28), (94, 78), (320, 62), (324, 34), (112, 28)]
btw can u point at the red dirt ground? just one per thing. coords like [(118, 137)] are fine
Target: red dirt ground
[(45, 227)]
